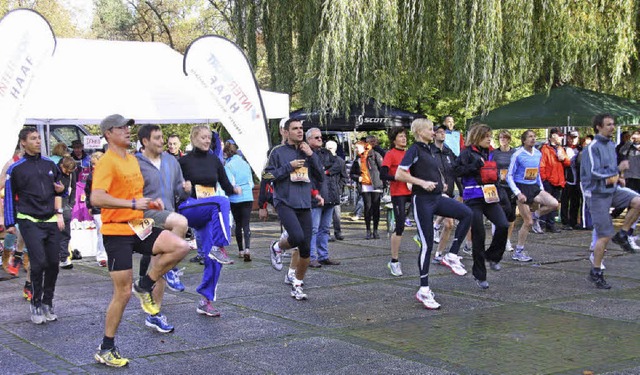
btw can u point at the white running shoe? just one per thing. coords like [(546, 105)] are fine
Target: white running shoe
[(437, 232), (591, 259), (535, 227), (509, 247), (452, 261), (296, 290), (427, 299), (394, 268)]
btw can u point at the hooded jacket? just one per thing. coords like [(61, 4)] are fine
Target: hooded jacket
[(598, 163)]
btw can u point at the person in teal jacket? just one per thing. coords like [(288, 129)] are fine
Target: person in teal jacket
[(239, 173)]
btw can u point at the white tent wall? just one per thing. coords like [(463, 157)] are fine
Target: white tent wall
[(88, 80)]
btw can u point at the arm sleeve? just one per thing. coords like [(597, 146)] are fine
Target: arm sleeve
[(384, 174), (9, 209), (274, 170), (225, 184), (512, 169)]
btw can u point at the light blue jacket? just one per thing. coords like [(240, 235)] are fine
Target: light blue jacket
[(598, 163), (239, 173)]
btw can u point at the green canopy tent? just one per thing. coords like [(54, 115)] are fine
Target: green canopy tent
[(565, 106)]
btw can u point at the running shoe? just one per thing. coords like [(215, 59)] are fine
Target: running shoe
[(417, 240), (495, 266), (509, 247), (521, 256), (408, 223), (102, 263), (535, 227), (206, 308), (437, 232), (110, 357), (482, 284), (466, 248), (219, 254), (14, 265), (36, 314), (622, 239), (453, 262), (296, 290), (197, 259), (49, 314), (247, 256), (592, 260), (290, 277), (173, 279), (437, 258), (146, 299), (159, 322), (276, 257), (66, 264), (633, 244), (26, 291), (427, 299), (241, 254), (395, 268), (598, 280)]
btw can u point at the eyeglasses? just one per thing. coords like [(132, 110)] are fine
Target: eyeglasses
[(123, 127), (318, 137)]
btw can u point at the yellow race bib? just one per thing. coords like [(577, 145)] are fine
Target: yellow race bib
[(490, 193), (205, 191), (531, 174), (300, 174), (142, 227)]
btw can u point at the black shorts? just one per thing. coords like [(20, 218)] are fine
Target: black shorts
[(529, 191), (120, 249)]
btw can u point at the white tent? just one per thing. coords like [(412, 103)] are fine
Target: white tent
[(88, 80)]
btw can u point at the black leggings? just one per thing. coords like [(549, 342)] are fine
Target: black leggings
[(241, 214), (400, 211), (494, 252), (371, 209), (425, 207), (298, 224)]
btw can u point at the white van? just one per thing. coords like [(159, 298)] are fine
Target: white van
[(54, 134)]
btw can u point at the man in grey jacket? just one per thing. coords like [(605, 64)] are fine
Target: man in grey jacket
[(600, 179), (162, 179)]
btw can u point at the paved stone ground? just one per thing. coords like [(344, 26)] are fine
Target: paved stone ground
[(537, 318)]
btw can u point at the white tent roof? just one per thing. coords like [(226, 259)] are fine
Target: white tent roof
[(88, 80)]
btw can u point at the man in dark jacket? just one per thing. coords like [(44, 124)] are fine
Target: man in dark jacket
[(338, 181), (321, 215)]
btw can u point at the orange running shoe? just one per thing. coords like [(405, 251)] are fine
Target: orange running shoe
[(14, 265)]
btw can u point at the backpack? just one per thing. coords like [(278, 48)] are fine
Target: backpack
[(489, 171)]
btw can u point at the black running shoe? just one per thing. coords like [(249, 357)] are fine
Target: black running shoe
[(622, 239), (598, 280)]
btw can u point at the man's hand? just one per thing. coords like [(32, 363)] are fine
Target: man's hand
[(142, 204), (11, 230), (320, 200), (304, 147), (297, 163), (60, 221), (58, 187), (263, 214), (522, 198)]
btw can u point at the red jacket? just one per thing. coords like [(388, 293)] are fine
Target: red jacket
[(551, 168)]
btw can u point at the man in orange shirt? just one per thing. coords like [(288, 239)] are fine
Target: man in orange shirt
[(552, 164), (117, 189)]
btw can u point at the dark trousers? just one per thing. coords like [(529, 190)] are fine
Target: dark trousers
[(298, 224), (570, 203), (555, 191), (43, 242), (337, 226), (65, 234), (371, 209), (241, 214), (495, 214), (425, 207)]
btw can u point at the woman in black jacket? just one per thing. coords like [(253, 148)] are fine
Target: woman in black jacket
[(366, 171), (480, 193)]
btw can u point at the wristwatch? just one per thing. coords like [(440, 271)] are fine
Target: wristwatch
[(60, 211)]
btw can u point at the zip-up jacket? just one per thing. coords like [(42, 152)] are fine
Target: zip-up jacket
[(239, 173), (632, 153), (164, 183), (330, 167), (551, 168), (468, 168), (69, 194), (599, 162), (204, 168), (296, 195), (446, 159), (374, 163), (520, 162), (421, 162), (29, 189)]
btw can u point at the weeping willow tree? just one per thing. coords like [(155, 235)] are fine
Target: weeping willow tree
[(333, 53)]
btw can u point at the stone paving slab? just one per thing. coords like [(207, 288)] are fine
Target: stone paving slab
[(514, 340), (603, 307)]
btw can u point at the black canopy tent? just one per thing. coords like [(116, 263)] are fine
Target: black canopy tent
[(565, 106), (361, 118)]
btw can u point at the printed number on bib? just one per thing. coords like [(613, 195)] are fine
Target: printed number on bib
[(300, 174), (530, 174), (490, 193), (205, 191), (142, 227)]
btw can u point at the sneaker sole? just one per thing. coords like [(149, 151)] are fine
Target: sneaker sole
[(100, 360), (398, 274), (38, 322), (522, 260), (301, 298), (444, 263), (221, 261), (425, 306), (174, 289), (157, 328), (202, 312)]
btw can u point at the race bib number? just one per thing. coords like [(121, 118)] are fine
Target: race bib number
[(531, 174), (142, 227), (300, 174), (490, 193), (503, 174), (205, 191), (612, 180), (83, 198)]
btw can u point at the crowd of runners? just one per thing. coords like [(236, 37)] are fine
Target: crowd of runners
[(154, 202)]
